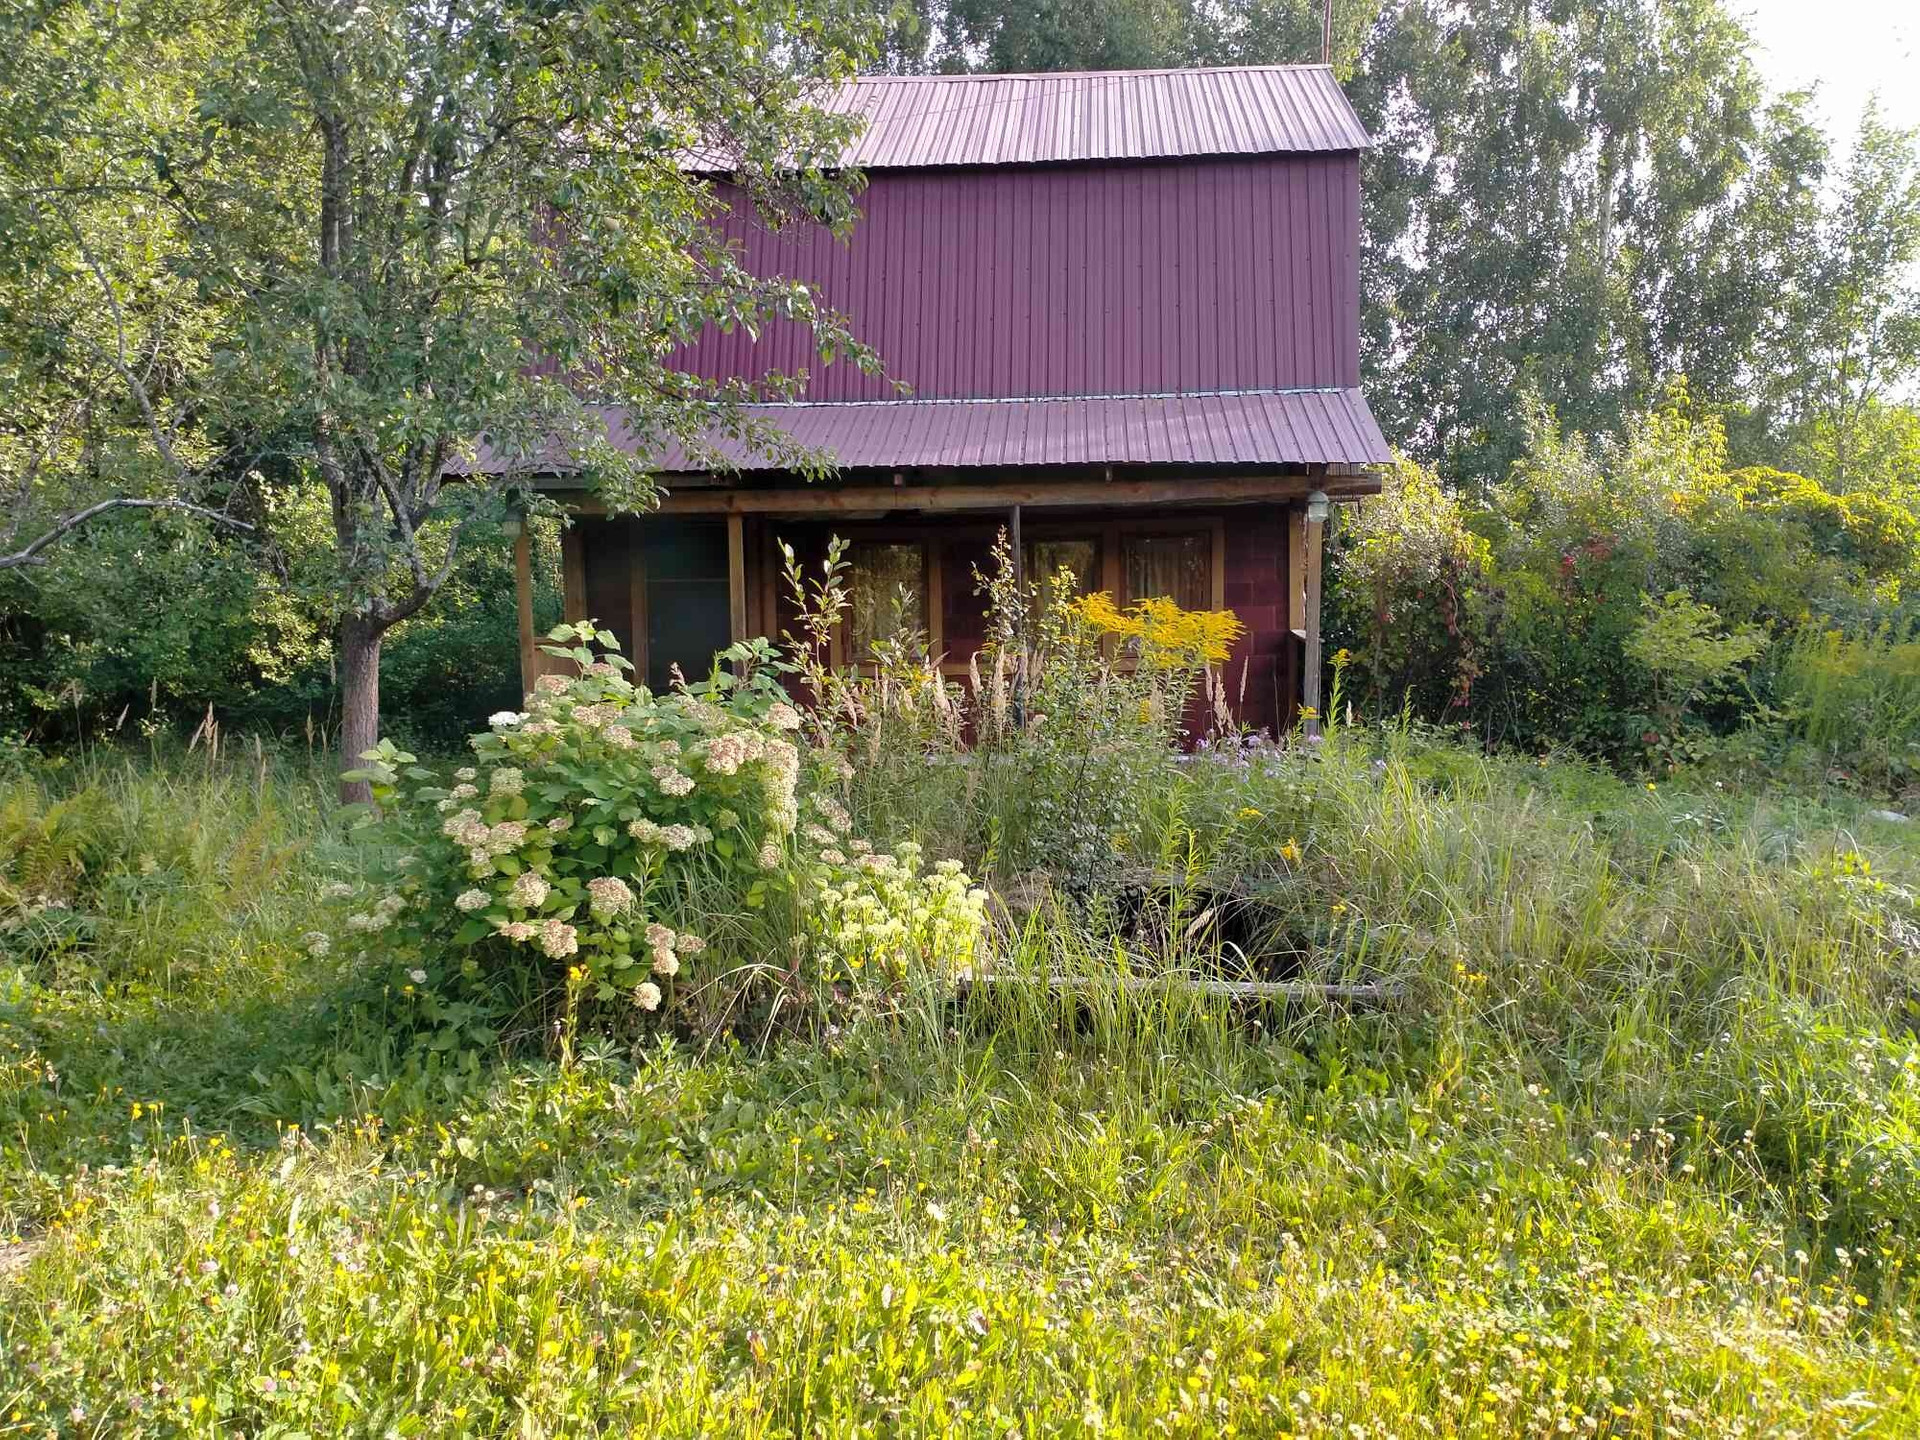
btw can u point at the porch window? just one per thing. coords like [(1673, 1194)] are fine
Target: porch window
[(1041, 560), (887, 585), (1176, 567)]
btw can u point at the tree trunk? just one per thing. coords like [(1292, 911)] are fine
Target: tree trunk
[(359, 701)]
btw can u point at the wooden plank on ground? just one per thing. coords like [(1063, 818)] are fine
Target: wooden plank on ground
[(1364, 992)]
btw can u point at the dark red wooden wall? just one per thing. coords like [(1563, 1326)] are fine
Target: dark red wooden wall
[(1116, 279)]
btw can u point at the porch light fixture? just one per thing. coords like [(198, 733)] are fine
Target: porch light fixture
[(513, 525), (1317, 506)]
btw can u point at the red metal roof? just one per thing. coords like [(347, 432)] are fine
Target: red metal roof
[(1078, 116), (1263, 428)]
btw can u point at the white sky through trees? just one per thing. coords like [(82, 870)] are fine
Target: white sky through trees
[(1853, 48)]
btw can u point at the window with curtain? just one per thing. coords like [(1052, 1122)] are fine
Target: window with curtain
[(886, 585), (1176, 567), (1041, 560)]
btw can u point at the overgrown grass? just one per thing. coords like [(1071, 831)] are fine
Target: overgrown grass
[(1633, 1154)]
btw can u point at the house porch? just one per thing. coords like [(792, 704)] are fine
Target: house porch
[(705, 569)]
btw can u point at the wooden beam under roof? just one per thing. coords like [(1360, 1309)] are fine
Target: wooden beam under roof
[(829, 499)]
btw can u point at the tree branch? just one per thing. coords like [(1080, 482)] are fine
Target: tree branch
[(29, 554)]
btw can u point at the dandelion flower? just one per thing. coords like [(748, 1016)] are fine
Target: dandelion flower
[(472, 900), (647, 995)]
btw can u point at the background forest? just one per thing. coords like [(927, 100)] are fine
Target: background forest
[(1646, 335)]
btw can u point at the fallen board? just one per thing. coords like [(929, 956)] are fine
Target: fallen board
[(1365, 992)]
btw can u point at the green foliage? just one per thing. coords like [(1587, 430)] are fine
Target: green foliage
[(606, 836), (1636, 598), (1650, 1089), (142, 624), (1411, 595), (1042, 759), (1682, 645), (597, 828), (353, 210), (1856, 698)]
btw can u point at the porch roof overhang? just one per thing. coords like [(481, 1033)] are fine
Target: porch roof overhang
[(1270, 430)]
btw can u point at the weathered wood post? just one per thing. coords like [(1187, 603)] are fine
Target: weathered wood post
[(1310, 678), (523, 597)]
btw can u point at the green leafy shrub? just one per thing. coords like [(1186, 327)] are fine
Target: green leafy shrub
[(614, 844), (1632, 597), (1413, 599), (1856, 699), (877, 914)]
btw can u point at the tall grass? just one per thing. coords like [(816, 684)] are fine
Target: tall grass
[(1632, 1153)]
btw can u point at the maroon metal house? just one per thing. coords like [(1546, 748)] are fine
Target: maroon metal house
[(1126, 305)]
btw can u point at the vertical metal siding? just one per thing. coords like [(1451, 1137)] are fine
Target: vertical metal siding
[(1141, 279)]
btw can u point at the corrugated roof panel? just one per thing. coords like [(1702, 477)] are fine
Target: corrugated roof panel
[(1308, 427), (936, 120), (1261, 428)]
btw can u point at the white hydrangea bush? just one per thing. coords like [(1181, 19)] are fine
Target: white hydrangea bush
[(584, 823), (600, 832)]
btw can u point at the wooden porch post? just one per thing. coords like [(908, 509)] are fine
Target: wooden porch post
[(573, 572), (523, 595), (736, 578), (1310, 678)]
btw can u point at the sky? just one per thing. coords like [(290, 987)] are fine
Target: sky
[(1852, 48)]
